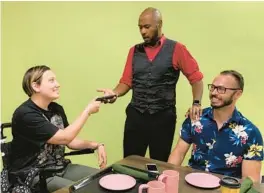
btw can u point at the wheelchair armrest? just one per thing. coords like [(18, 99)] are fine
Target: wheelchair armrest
[(51, 169), (80, 152)]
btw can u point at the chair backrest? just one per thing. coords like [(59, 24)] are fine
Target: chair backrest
[(3, 126), (6, 186), (5, 146), (5, 149)]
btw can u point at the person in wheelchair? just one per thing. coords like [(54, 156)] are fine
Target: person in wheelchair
[(41, 131)]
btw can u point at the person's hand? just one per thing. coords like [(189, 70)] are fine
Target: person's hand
[(93, 107), (195, 112), (102, 158), (108, 92)]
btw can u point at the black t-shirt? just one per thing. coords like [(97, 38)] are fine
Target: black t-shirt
[(32, 127)]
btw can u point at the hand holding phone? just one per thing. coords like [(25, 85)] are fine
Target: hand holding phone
[(105, 99)]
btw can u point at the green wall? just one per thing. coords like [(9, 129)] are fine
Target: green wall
[(86, 44)]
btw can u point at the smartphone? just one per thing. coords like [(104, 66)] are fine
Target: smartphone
[(105, 98), (152, 168)]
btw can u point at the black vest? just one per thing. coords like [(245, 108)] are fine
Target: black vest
[(154, 83)]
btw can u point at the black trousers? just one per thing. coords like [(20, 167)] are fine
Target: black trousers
[(143, 130)]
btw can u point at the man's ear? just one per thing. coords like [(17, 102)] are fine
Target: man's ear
[(160, 24), (35, 87), (239, 94)]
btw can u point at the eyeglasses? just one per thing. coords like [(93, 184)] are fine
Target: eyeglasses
[(220, 89)]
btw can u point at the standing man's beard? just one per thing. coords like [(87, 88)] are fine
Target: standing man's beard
[(154, 40)]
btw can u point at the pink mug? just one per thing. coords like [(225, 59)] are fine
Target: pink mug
[(171, 180), (154, 186)]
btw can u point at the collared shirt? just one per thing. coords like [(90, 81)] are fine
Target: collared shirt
[(182, 60), (222, 151)]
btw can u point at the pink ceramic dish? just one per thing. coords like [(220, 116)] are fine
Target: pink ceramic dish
[(117, 182), (203, 180)]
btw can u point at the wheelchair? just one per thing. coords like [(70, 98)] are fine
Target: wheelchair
[(26, 185)]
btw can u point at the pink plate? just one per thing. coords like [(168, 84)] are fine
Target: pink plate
[(117, 182), (203, 180)]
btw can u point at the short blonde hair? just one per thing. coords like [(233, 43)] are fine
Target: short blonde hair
[(33, 74)]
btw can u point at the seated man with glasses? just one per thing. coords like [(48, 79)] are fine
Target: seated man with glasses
[(223, 140)]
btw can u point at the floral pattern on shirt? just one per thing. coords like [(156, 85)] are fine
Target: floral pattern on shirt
[(254, 150), (222, 151), (240, 136), (232, 160)]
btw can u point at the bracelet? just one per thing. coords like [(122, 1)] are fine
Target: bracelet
[(99, 144)]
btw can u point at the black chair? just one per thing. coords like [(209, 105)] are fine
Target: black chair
[(44, 173)]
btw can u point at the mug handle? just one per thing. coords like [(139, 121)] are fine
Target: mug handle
[(162, 178), (141, 187)]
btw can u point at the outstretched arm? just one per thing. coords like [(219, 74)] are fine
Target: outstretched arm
[(65, 136), (125, 82)]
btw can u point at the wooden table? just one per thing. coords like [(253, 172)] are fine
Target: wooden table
[(139, 162)]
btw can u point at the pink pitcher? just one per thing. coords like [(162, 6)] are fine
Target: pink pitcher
[(154, 186), (171, 180)]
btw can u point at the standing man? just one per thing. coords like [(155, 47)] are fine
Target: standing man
[(152, 71)]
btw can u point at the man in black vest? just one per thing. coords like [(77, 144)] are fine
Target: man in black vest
[(152, 71)]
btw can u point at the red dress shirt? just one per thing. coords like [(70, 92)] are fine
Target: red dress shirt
[(182, 60)]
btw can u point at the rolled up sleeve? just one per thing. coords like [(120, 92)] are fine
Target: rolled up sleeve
[(127, 73), (254, 145), (184, 61), (185, 131)]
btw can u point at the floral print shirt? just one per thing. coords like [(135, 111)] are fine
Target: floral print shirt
[(222, 151)]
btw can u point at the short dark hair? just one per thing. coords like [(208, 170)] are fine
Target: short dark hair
[(33, 74), (239, 78)]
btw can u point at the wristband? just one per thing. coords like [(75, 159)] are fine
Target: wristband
[(197, 102)]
